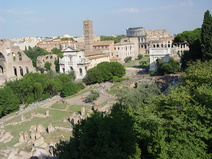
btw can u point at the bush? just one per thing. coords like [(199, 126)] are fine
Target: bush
[(167, 67), (140, 56), (68, 89), (104, 72), (79, 86), (127, 59), (92, 96), (46, 96)]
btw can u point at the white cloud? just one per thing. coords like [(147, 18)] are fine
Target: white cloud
[(129, 10), (16, 11), (188, 3), (166, 7)]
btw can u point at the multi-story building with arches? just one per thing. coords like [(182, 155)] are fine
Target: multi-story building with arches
[(13, 62)]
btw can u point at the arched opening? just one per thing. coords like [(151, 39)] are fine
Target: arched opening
[(15, 71), (158, 46), (80, 71), (1, 70), (27, 69), (71, 68), (21, 71), (86, 68), (2, 58)]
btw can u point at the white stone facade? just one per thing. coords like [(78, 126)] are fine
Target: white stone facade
[(160, 53), (74, 60)]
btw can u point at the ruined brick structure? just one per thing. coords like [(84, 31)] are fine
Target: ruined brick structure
[(13, 62)]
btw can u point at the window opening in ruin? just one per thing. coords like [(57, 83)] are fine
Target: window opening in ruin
[(19, 56), (80, 71), (15, 71), (27, 69), (1, 70), (2, 58), (21, 71)]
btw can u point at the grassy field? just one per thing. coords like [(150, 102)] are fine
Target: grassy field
[(56, 119)]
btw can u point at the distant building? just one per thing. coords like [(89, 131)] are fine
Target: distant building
[(74, 60), (51, 58), (26, 42), (160, 53), (147, 39), (14, 63), (125, 49), (59, 44)]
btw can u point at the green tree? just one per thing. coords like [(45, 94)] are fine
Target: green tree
[(206, 36), (54, 86), (101, 136), (38, 90), (116, 39), (34, 52), (69, 88), (9, 102), (128, 59), (47, 65), (92, 96), (192, 39), (169, 67), (104, 71), (117, 69)]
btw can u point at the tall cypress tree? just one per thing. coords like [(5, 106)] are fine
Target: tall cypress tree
[(206, 36)]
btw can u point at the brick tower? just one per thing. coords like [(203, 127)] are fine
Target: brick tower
[(88, 34)]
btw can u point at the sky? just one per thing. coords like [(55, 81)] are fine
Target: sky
[(47, 18)]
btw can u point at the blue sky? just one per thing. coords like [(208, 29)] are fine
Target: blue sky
[(25, 18)]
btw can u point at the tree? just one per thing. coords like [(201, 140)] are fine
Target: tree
[(128, 59), (206, 36), (169, 67), (34, 52), (47, 65), (92, 96), (101, 136), (9, 102), (38, 90), (104, 71), (117, 69), (54, 86), (69, 88)]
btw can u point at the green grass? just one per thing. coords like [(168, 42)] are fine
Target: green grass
[(56, 117), (79, 93), (77, 108), (59, 106)]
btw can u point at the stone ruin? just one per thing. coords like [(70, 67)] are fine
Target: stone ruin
[(75, 117), (5, 136), (35, 136)]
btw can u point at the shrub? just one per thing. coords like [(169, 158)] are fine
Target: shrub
[(140, 56), (127, 59), (92, 96)]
